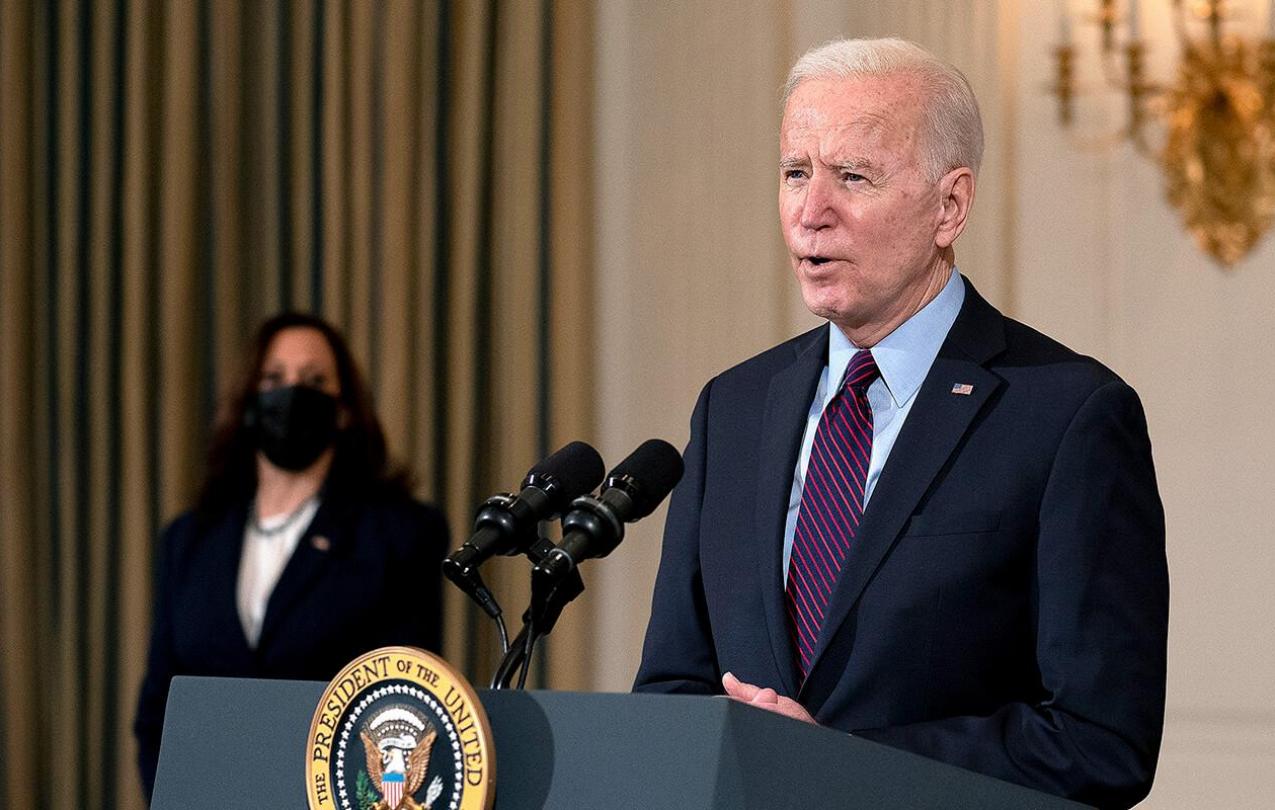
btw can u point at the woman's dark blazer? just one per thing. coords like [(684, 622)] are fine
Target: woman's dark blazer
[(365, 574)]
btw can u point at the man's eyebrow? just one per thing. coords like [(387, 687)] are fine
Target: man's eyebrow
[(853, 163)]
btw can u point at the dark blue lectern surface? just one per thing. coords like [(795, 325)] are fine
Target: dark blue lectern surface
[(240, 743)]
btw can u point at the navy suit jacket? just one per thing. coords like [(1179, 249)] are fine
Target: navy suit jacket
[(1004, 606), (365, 574)]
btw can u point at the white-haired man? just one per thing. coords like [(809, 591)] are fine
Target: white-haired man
[(923, 523)]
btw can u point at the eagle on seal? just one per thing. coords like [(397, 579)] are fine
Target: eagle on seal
[(409, 772)]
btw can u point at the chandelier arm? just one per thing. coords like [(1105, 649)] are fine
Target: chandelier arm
[(1214, 121), (1115, 81), (1215, 24), (1179, 26), (1266, 68), (1063, 87), (1111, 72), (1106, 19)]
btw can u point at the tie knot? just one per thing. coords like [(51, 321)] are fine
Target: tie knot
[(862, 371)]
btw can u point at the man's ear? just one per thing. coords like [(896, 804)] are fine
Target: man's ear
[(956, 195)]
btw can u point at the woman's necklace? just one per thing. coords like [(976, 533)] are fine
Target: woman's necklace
[(255, 518)]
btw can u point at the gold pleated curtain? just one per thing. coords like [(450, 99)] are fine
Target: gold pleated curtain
[(173, 172)]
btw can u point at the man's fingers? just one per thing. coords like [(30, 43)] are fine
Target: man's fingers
[(764, 698), (775, 703), (738, 689), (766, 695), (791, 708)]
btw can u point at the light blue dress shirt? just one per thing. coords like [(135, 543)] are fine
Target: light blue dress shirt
[(904, 357)]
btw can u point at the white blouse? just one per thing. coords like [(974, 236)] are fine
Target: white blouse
[(268, 544)]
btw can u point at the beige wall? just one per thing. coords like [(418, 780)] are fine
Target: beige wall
[(1079, 243), (687, 252)]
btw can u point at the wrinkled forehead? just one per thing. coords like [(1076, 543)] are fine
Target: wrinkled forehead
[(874, 109), (823, 123)]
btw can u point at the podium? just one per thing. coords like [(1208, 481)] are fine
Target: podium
[(241, 743)]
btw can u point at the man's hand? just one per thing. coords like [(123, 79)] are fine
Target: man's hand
[(764, 698)]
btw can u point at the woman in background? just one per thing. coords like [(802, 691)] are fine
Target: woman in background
[(305, 548)]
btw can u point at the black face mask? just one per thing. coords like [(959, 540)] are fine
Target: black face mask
[(292, 426)]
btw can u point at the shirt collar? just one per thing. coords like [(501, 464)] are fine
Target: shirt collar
[(905, 355)]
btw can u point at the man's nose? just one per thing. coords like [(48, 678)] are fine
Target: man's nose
[(817, 210)]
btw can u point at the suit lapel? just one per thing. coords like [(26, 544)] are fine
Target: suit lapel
[(314, 552), (783, 424), (938, 420), (226, 551)]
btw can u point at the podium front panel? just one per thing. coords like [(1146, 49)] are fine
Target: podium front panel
[(233, 742)]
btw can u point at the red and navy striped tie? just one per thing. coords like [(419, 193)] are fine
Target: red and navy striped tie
[(831, 505)]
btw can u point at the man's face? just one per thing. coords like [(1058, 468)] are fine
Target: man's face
[(859, 216)]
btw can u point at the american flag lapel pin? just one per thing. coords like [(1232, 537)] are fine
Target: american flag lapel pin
[(321, 543), (963, 389)]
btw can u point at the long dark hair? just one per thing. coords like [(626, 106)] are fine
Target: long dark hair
[(360, 460)]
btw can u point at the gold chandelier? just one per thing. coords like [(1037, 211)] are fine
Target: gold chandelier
[(1216, 121)]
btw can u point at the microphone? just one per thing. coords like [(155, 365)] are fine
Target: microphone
[(506, 524), (595, 526)]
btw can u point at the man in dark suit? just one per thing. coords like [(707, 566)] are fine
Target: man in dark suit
[(923, 523)]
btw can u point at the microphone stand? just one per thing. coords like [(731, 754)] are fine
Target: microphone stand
[(537, 621)]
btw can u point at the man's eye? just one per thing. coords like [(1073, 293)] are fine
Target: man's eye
[(794, 174), (852, 177)]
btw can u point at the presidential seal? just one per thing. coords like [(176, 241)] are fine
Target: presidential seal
[(398, 729)]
